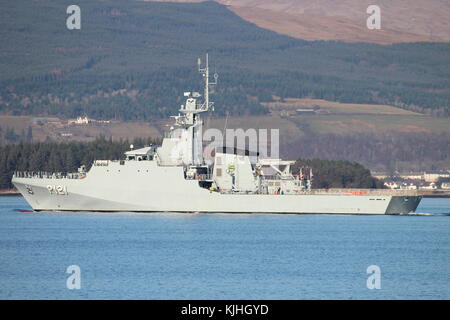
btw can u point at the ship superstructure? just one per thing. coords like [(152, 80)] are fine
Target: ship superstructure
[(175, 177)]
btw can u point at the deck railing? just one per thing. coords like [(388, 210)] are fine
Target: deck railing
[(48, 175), (340, 192)]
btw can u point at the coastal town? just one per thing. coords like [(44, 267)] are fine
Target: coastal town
[(428, 182)]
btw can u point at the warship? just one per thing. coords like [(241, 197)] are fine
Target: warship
[(175, 177)]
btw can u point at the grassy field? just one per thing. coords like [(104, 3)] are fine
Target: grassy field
[(345, 124), (57, 129), (345, 118), (289, 130), (290, 126), (256, 122), (324, 106)]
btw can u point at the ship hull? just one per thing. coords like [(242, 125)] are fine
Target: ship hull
[(146, 187)]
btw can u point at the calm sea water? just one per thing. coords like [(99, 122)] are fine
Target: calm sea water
[(206, 256)]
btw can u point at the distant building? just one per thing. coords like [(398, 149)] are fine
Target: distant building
[(392, 185), (85, 120), (402, 186), (431, 186), (411, 181), (435, 175), (79, 120), (411, 176)]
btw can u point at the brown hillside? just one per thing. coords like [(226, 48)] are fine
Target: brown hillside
[(316, 27), (345, 20)]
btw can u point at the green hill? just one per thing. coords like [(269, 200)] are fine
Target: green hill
[(133, 59)]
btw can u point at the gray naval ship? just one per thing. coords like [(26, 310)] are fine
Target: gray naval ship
[(175, 177)]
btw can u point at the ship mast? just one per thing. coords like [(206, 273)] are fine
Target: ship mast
[(190, 138), (205, 72), (197, 139)]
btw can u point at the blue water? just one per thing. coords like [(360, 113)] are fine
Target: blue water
[(206, 256)]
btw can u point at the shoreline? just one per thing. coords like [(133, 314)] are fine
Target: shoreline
[(9, 192), (435, 194)]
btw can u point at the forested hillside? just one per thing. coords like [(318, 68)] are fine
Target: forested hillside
[(133, 60), (67, 157)]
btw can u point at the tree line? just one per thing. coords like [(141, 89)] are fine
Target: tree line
[(339, 174), (68, 156), (59, 156)]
